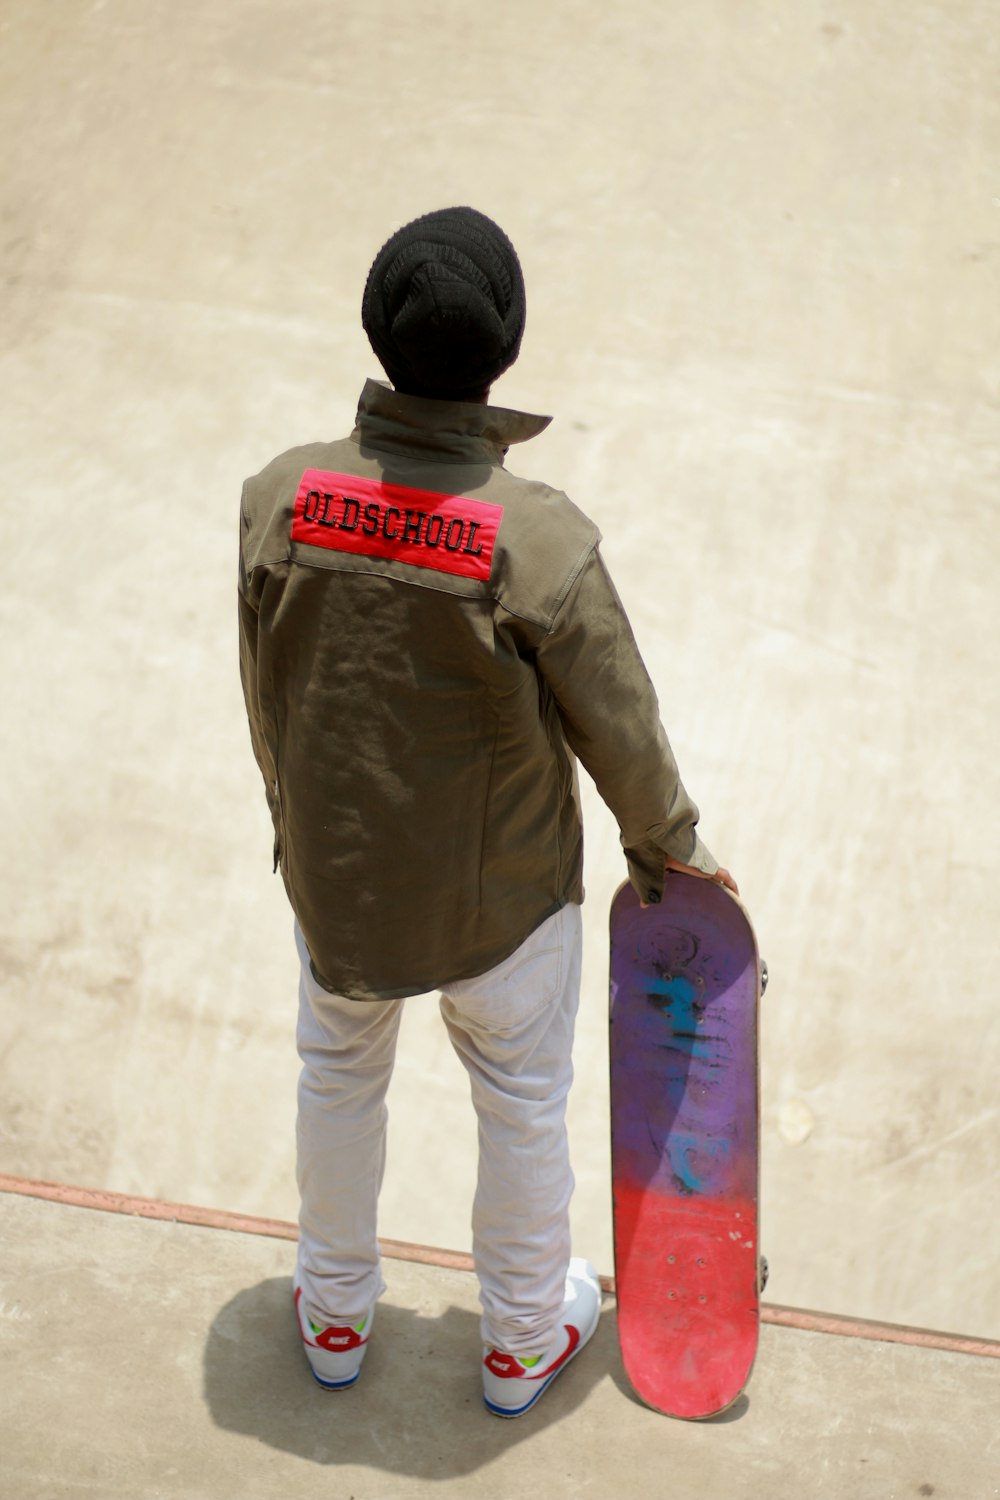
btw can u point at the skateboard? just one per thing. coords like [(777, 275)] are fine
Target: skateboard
[(685, 1105)]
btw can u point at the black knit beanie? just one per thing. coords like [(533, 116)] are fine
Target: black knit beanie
[(444, 305)]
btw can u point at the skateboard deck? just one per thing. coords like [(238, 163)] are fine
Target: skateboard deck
[(685, 987)]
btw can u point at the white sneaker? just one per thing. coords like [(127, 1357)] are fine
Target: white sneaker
[(334, 1352), (511, 1385)]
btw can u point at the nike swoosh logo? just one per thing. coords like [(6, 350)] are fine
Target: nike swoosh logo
[(302, 1327), (573, 1340)]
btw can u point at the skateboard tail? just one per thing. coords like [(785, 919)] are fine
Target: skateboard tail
[(687, 1299)]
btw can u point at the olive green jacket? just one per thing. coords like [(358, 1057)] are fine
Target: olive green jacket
[(427, 643)]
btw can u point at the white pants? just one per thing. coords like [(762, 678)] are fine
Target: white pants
[(513, 1030)]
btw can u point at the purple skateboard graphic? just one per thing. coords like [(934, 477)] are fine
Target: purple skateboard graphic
[(685, 982)]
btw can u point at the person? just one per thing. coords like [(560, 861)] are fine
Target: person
[(428, 645)]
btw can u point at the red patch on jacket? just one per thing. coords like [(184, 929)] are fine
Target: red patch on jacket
[(448, 533)]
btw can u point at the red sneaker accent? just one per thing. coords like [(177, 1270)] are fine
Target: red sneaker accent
[(339, 1340), (510, 1367), (336, 1340)]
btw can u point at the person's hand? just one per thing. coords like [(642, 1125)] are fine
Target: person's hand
[(721, 876)]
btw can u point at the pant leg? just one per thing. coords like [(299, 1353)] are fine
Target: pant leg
[(347, 1048), (513, 1030)]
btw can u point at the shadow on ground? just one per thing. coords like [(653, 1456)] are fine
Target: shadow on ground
[(417, 1409)]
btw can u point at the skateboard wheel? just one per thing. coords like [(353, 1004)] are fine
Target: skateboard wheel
[(763, 976), (763, 1274)]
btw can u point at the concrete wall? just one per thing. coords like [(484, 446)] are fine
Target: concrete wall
[(761, 252)]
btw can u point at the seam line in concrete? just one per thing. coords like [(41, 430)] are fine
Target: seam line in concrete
[(131, 1206)]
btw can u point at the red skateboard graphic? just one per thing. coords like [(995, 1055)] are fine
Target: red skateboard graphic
[(685, 986)]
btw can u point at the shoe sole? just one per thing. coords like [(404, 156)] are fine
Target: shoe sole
[(509, 1412), (335, 1385)]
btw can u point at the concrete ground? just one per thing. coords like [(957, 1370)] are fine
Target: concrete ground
[(761, 253), (156, 1359)]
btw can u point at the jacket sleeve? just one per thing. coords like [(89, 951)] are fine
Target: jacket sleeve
[(611, 720), (250, 679)]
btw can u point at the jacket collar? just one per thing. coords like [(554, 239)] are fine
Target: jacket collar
[(452, 431)]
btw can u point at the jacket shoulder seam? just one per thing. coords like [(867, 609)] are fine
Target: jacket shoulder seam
[(571, 579), (547, 621)]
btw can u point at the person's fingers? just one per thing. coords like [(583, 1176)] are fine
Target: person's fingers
[(674, 864), (721, 876)]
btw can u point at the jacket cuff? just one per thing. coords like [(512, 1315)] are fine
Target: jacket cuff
[(646, 864)]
